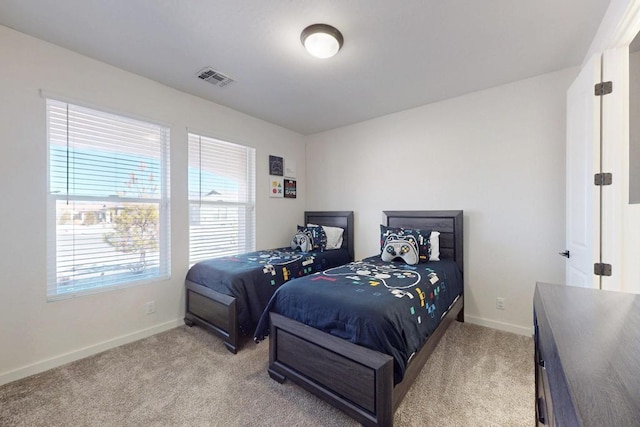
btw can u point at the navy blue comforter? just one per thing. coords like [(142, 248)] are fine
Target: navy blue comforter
[(253, 277), (389, 307)]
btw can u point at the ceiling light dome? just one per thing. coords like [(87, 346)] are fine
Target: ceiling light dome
[(321, 40)]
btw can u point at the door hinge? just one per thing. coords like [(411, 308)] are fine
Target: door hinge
[(601, 269), (603, 88), (603, 178)]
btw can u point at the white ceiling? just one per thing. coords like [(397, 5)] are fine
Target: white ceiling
[(396, 55)]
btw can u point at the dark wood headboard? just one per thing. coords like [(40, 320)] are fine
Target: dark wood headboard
[(342, 219), (448, 223)]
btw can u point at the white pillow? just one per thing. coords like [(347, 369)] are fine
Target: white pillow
[(434, 241), (334, 236)]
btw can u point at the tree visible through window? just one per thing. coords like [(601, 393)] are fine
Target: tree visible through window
[(108, 200), (135, 229)]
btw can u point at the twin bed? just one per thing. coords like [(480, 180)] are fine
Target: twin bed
[(227, 295), (368, 384), (357, 335)]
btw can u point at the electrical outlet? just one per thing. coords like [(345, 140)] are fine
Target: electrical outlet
[(500, 303), (150, 307)]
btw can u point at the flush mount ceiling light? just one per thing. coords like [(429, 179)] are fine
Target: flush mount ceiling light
[(321, 40)]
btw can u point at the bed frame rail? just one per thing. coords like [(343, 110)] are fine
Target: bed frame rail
[(456, 312)]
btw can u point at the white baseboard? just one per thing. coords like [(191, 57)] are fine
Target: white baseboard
[(507, 327), (54, 362), (62, 359)]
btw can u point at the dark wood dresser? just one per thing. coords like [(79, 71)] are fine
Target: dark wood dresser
[(587, 357)]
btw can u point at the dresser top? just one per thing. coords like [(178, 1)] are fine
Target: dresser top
[(597, 335)]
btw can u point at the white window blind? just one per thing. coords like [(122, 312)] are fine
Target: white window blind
[(108, 200), (221, 198)]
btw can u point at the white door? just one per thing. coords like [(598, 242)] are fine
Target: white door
[(583, 161), (620, 215), (615, 149)]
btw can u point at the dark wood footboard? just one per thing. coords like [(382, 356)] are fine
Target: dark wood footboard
[(213, 311), (357, 380)]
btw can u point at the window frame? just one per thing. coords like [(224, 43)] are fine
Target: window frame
[(249, 204), (162, 201)]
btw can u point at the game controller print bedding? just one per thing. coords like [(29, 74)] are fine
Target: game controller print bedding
[(390, 307), (256, 275)]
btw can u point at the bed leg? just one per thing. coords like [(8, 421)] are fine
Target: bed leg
[(232, 348), (460, 317), (276, 376), (188, 322)]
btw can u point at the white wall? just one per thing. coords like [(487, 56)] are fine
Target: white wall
[(619, 13), (34, 334), (498, 154)]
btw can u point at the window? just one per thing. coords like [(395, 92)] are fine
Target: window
[(108, 200), (221, 198)]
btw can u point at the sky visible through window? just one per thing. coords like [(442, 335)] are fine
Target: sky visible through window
[(115, 178)]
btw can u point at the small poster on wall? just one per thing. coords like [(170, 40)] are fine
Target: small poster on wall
[(290, 168), (276, 166), (277, 187), (290, 190)]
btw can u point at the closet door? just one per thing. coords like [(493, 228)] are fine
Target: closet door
[(615, 160), (630, 198), (583, 162), (621, 148)]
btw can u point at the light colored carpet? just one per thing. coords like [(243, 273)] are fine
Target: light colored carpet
[(186, 377)]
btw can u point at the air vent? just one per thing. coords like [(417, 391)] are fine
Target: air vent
[(214, 77)]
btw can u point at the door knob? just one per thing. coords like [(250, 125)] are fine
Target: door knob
[(565, 254)]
